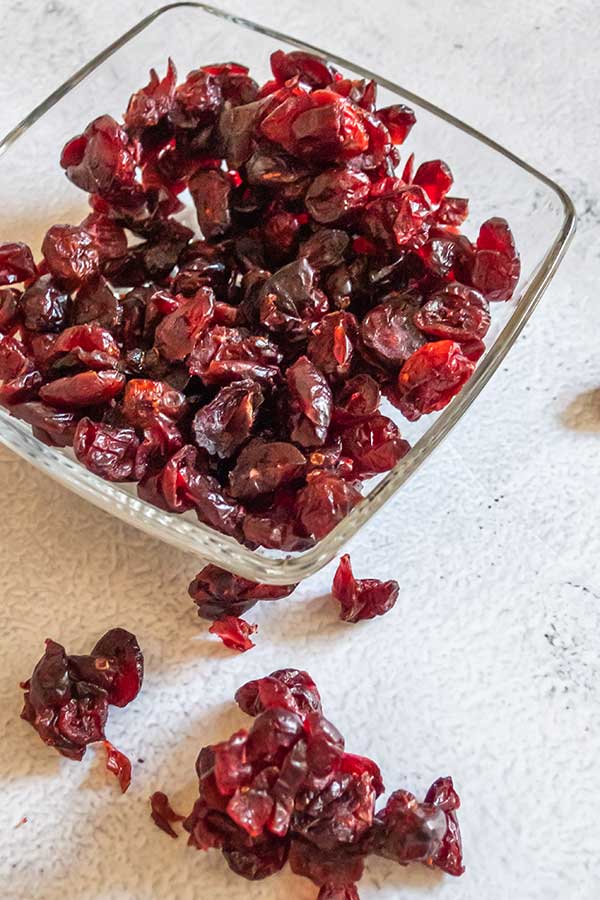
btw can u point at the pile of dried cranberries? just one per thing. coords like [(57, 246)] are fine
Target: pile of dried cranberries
[(240, 375), (286, 790)]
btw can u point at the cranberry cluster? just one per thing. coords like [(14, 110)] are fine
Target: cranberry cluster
[(286, 790), (67, 697), (240, 376)]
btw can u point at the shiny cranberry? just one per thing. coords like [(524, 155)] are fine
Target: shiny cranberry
[(227, 421), (85, 389), (496, 267), (87, 345), (263, 467), (358, 399), (96, 303), (399, 220), (452, 211), (431, 377), (105, 450), (71, 254), (311, 70), (374, 445), (363, 598), (217, 592), (456, 313), (210, 192), (331, 345), (9, 309), (435, 178), (148, 106), (336, 192), (289, 301), (325, 247), (325, 501), (44, 305), (176, 335), (310, 403), (399, 120), (53, 427), (388, 334), (16, 263), (234, 632), (144, 400), (119, 765), (223, 355), (197, 100)]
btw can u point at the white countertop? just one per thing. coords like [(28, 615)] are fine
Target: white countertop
[(488, 668)]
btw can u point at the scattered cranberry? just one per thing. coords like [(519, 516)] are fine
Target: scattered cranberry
[(236, 371), (218, 593), (286, 789), (163, 814), (67, 697), (363, 598), (234, 632)]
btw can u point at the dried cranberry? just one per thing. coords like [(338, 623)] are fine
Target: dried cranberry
[(388, 334), (234, 632), (119, 765), (456, 313), (121, 664), (152, 103), (96, 303), (217, 592), (163, 814), (262, 467), (44, 306), (364, 598), (289, 689), (9, 309), (144, 400), (325, 247), (223, 355), (16, 263), (105, 450), (311, 403), (325, 501), (331, 345), (54, 427), (210, 192), (398, 220), (88, 345), (398, 119), (449, 855), (197, 100), (289, 300), (338, 892), (374, 445), (85, 389), (67, 697), (311, 70), (71, 254), (496, 266), (336, 192), (178, 332), (227, 421), (431, 377), (453, 211), (435, 178), (358, 399)]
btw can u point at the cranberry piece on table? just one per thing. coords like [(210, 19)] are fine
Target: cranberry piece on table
[(362, 598), (234, 632)]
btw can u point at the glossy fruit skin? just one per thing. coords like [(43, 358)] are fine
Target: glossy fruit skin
[(217, 592), (234, 632), (235, 368), (363, 598), (286, 789), (67, 697)]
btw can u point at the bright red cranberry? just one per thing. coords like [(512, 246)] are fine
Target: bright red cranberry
[(85, 389), (311, 70), (119, 765), (496, 267), (210, 192), (374, 445), (145, 399), (435, 178), (176, 335), (455, 313), (453, 211), (234, 632), (431, 377), (325, 501), (105, 450), (363, 598), (71, 254), (88, 345), (399, 120), (16, 263)]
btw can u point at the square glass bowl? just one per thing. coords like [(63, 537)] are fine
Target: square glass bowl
[(35, 194)]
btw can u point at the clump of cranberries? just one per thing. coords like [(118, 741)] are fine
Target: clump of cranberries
[(67, 696), (286, 789), (236, 371)]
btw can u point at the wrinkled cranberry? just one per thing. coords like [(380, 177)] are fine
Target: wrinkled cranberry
[(398, 120), (85, 389), (96, 303), (289, 300), (374, 445), (358, 399), (145, 399), (105, 450), (119, 765), (197, 100), (227, 421), (363, 598), (148, 106), (452, 211), (55, 428), (163, 814), (71, 254), (224, 354), (311, 403), (496, 266), (263, 467), (314, 72), (16, 263), (336, 192), (448, 857), (177, 333), (88, 345), (44, 305), (338, 892), (277, 172), (210, 192), (398, 220), (324, 502), (388, 334), (331, 345), (456, 313), (67, 697), (9, 309), (234, 632), (289, 689), (431, 377), (217, 592), (325, 247)]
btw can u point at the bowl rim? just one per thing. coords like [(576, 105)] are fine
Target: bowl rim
[(201, 539)]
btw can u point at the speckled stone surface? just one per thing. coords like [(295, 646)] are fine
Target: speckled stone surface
[(489, 666)]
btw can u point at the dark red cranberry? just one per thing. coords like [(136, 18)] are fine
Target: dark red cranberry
[(363, 598), (388, 334), (234, 632), (338, 892), (16, 263), (163, 814), (88, 345), (400, 220), (336, 192), (358, 399), (9, 309), (95, 303), (325, 247), (71, 254), (44, 306), (226, 422), (310, 404), (119, 765), (263, 467), (217, 592), (144, 400), (53, 427), (105, 450), (311, 70), (331, 345), (456, 313), (197, 100), (289, 301), (176, 335), (289, 689), (223, 355), (148, 106), (210, 192)]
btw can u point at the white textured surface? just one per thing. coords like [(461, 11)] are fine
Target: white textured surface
[(487, 669)]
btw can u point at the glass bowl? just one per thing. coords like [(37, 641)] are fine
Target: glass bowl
[(36, 194)]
